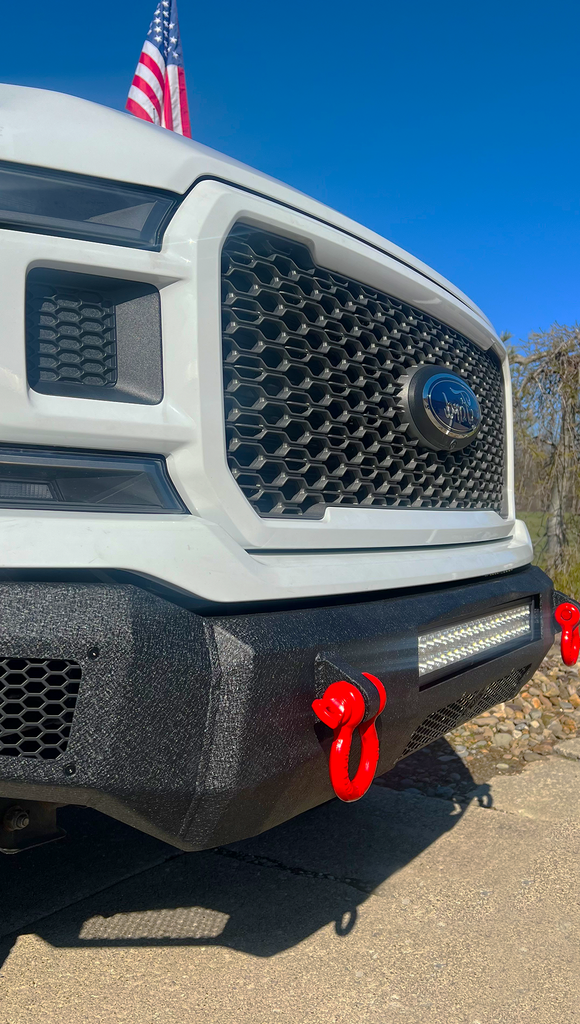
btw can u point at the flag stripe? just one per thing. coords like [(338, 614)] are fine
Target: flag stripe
[(167, 121), (152, 68), (185, 122), (134, 108), (140, 83), (155, 55), (139, 97), (173, 90)]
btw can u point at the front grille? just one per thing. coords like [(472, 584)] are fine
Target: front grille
[(37, 703), (70, 334), (312, 363), (465, 707)]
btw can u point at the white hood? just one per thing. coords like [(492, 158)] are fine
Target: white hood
[(51, 129)]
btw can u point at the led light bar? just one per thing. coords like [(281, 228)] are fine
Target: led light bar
[(476, 636)]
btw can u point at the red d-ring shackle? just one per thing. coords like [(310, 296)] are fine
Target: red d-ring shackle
[(567, 615), (342, 707)]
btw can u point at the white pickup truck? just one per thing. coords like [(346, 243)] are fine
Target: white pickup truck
[(248, 450)]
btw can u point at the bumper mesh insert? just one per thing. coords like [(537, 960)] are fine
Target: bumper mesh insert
[(70, 335), (465, 707), (312, 363), (37, 703)]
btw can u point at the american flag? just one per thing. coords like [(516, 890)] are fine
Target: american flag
[(158, 93)]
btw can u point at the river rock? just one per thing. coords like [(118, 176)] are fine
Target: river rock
[(502, 739), (569, 749)]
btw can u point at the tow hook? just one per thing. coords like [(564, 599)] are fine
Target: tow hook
[(342, 707), (567, 616)]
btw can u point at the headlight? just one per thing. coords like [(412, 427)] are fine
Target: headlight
[(57, 203), (74, 481)]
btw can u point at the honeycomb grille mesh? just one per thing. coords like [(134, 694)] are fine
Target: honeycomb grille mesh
[(312, 363), (465, 707), (70, 336), (37, 704)]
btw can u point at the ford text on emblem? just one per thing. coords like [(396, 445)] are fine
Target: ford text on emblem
[(441, 409), (451, 405)]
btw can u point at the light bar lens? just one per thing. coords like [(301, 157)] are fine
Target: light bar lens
[(73, 481), (456, 643), (56, 203)]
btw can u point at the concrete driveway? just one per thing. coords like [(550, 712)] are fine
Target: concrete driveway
[(398, 908)]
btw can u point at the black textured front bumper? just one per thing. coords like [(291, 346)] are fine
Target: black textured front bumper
[(198, 728)]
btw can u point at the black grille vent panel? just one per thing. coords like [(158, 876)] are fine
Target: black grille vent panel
[(70, 335), (311, 365), (37, 704), (469, 705)]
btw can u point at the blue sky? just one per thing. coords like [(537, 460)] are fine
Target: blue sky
[(451, 128)]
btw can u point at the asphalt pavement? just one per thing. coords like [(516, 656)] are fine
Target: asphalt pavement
[(398, 908)]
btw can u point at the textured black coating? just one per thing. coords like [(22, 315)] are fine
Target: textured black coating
[(38, 697), (467, 706), (314, 366), (200, 730), (93, 337), (560, 598)]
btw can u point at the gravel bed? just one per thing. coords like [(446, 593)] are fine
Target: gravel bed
[(545, 713)]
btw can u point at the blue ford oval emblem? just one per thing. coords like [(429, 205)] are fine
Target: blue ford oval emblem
[(451, 406)]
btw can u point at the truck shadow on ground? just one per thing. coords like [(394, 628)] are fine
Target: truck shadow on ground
[(109, 886)]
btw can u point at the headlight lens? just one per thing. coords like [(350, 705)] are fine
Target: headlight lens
[(74, 481), (56, 203), (476, 636)]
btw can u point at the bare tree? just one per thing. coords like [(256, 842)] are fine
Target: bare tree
[(546, 387)]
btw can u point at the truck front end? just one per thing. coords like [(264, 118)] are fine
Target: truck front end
[(247, 449)]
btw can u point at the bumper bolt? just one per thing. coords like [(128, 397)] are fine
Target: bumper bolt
[(15, 819)]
